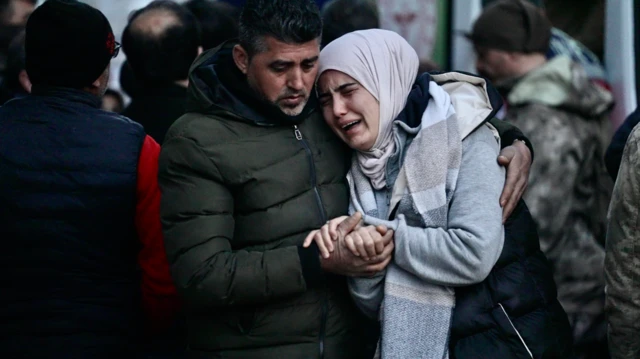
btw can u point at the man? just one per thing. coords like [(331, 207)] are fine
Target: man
[(245, 176), (622, 262), (161, 41), (564, 114), (82, 250), (218, 21)]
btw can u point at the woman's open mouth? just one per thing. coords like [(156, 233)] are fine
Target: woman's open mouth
[(350, 125)]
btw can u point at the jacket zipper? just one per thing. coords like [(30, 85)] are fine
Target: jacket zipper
[(516, 330), (312, 168), (323, 215)]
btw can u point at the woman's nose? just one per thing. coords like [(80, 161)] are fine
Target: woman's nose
[(339, 108)]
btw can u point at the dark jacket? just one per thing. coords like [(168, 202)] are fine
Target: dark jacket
[(156, 108), (613, 156), (240, 192), (69, 279), (514, 313)]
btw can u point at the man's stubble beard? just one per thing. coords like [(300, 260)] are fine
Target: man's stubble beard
[(289, 111)]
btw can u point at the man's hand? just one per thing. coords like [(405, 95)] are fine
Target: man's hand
[(347, 226), (517, 160), (343, 262), (325, 236)]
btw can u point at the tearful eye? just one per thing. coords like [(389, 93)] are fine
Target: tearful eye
[(348, 92)]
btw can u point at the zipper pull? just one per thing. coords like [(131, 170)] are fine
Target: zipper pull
[(297, 132)]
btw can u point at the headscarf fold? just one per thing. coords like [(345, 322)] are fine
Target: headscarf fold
[(387, 66)]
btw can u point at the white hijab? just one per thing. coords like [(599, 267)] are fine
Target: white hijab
[(386, 65)]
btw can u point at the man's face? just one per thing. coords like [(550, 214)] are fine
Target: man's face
[(495, 65), (284, 75)]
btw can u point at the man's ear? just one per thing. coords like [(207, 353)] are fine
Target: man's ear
[(241, 58), (24, 80)]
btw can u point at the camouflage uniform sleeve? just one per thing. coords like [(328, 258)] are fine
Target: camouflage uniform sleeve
[(509, 133), (557, 147), (622, 261)]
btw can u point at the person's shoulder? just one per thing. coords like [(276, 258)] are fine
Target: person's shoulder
[(116, 119), (485, 134), (205, 129), (540, 118)]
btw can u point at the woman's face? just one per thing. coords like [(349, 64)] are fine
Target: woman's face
[(349, 109)]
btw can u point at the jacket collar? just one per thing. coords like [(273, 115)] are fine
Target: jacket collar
[(69, 94), (471, 96)]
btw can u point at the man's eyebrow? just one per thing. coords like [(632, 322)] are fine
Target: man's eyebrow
[(313, 59), (281, 63)]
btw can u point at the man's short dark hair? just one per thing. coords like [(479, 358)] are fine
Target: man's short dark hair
[(288, 21), (161, 55), (344, 16), (218, 21)]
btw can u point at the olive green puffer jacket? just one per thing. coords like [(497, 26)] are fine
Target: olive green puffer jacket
[(240, 192)]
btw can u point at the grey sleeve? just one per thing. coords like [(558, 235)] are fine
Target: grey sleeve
[(466, 251), (368, 293)]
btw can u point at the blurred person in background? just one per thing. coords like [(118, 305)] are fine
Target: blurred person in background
[(16, 82), (161, 41), (112, 101), (13, 17), (565, 116), (622, 260), (218, 21), (340, 17), (16, 12), (83, 268), (562, 43)]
